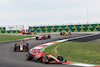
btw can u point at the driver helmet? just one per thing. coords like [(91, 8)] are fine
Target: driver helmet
[(21, 42)]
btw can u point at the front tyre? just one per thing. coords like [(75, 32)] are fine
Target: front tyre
[(23, 33), (27, 45), (29, 57), (14, 48), (65, 60)]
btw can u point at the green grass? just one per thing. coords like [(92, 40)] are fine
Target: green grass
[(4, 38), (84, 52)]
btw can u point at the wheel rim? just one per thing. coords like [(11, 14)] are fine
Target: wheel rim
[(44, 60)]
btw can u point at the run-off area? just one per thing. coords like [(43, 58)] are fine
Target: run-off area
[(84, 50)]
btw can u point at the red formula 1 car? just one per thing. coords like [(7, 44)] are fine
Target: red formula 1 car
[(44, 57), (43, 36), (21, 46)]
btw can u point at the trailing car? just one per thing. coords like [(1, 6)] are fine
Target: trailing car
[(65, 33), (28, 32), (21, 46), (43, 36), (44, 57)]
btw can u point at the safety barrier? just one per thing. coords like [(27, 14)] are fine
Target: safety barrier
[(69, 28), (2, 29), (47, 29), (10, 31), (11, 28)]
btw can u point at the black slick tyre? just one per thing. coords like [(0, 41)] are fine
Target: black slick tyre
[(15, 47), (60, 33), (49, 36), (29, 57), (60, 58), (23, 33), (37, 38)]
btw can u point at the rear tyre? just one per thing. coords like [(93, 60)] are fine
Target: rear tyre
[(27, 45), (16, 44), (37, 38), (60, 33), (23, 33), (60, 58), (49, 36), (69, 33)]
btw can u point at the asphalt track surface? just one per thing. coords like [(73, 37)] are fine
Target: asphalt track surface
[(9, 58), (95, 38)]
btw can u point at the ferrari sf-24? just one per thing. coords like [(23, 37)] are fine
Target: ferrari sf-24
[(43, 36), (44, 57)]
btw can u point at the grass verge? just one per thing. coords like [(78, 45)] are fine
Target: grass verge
[(84, 52), (4, 38)]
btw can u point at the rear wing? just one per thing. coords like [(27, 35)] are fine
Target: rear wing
[(21, 41)]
